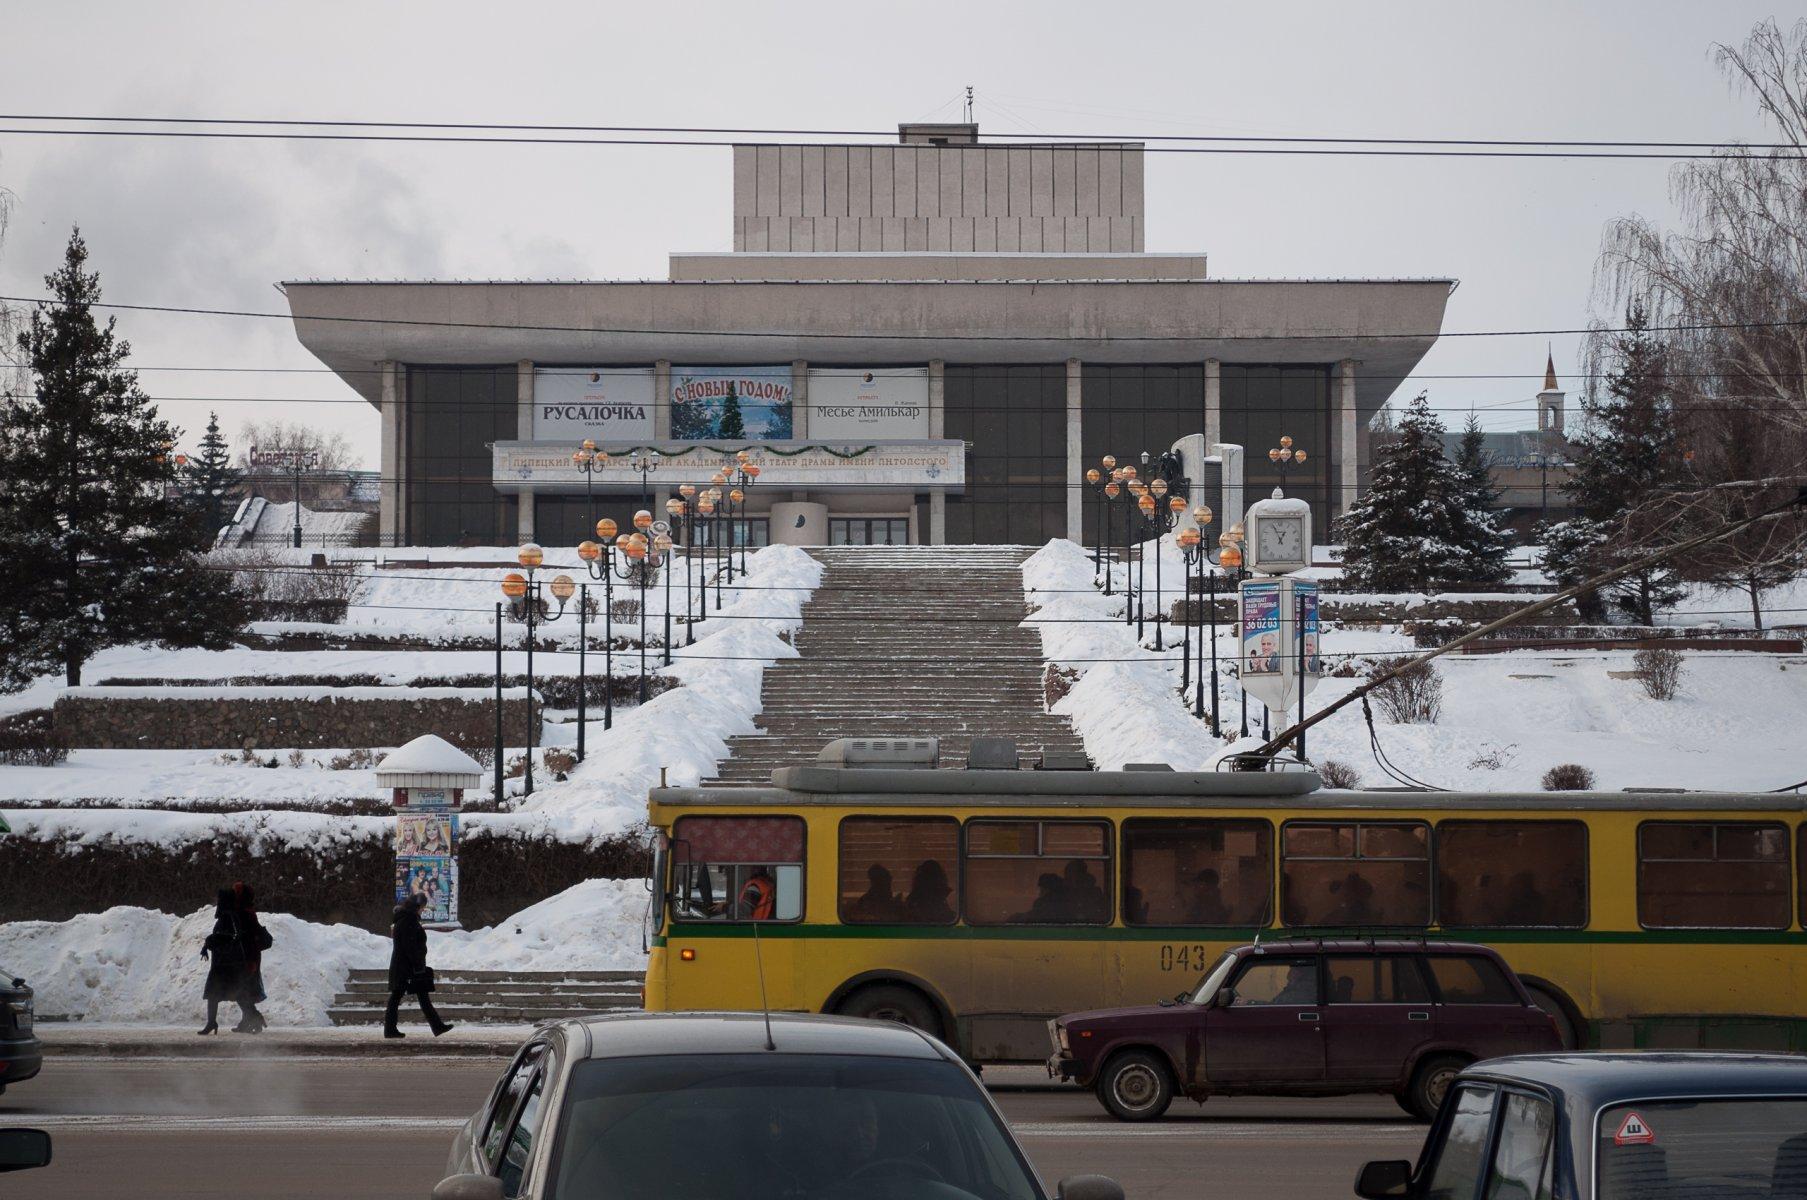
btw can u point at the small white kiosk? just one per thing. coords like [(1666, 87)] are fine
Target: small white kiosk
[(427, 779)]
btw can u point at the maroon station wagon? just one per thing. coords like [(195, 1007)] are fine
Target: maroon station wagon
[(1313, 1017)]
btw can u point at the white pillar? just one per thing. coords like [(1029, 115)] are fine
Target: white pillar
[(524, 432), (662, 398), (1213, 402), (1343, 479), (937, 429), (800, 399), (389, 487), (1075, 454)]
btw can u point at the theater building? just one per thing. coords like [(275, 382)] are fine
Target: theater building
[(923, 342)]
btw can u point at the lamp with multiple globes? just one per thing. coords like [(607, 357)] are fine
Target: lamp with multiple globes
[(527, 604), (631, 558)]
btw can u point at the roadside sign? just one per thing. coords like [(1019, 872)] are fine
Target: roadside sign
[(1634, 1132), (268, 458)]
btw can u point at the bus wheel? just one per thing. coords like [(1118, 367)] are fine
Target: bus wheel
[(1135, 1086), (891, 1002), (1430, 1083), (1558, 1012)]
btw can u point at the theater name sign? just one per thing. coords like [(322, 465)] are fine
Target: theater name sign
[(912, 465)]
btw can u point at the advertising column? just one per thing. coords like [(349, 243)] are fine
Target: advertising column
[(426, 779)]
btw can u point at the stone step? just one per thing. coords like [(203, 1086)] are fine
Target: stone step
[(510, 1014)]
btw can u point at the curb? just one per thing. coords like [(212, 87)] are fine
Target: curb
[(416, 1045)]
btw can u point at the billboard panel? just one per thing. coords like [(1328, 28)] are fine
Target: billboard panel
[(732, 404), (601, 403), (846, 404)]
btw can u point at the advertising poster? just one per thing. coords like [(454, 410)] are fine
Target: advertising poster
[(847, 404), (1261, 649), (601, 403), (731, 403), (1307, 599), (434, 876), (426, 833)]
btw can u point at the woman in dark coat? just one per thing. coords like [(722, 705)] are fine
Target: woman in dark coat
[(254, 939), (408, 967), (226, 961)]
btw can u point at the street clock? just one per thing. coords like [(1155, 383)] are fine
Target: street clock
[(1279, 535)]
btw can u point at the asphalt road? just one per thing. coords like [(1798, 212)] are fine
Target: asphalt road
[(351, 1128)]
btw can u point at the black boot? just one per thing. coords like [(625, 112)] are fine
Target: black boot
[(213, 1018), (443, 1027), (210, 1027), (390, 1031)]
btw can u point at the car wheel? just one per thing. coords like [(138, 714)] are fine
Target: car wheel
[(889, 1002), (1558, 1012), (1430, 1083), (1135, 1086)]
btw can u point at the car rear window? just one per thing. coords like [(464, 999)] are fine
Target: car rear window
[(1375, 979), (1470, 979), (1702, 1149)]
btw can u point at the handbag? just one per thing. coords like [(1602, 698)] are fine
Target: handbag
[(421, 980)]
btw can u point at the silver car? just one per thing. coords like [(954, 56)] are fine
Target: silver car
[(724, 1106)]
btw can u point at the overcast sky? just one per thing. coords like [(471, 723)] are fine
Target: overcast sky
[(217, 223)]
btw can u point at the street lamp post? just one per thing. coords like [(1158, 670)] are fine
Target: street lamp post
[(1099, 479), (1113, 488), (743, 475), (599, 560), (639, 552), (588, 459), (687, 494), (1229, 554), (528, 605), (645, 460), (721, 513)]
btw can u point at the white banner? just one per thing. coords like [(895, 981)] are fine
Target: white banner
[(882, 403), (602, 403)]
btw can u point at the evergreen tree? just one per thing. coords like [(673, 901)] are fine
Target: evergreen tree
[(1625, 458), (1405, 532), (210, 482), (1484, 544), (732, 424), (99, 550)]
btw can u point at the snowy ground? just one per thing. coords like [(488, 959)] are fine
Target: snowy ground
[(1506, 719), (137, 965)]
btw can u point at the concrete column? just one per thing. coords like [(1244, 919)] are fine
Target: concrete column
[(800, 399), (389, 464), (1075, 454), (662, 398), (1213, 403), (937, 429), (1347, 447), (524, 431)]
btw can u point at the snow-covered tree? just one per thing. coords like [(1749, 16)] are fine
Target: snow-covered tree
[(210, 482), (1484, 544), (1405, 532), (99, 549), (1626, 456)]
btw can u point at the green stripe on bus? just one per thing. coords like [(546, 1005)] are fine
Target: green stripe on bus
[(1566, 937)]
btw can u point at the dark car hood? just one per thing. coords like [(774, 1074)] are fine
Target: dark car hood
[(1140, 1012)]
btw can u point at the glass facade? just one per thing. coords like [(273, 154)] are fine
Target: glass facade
[(452, 416), (1260, 404), (1014, 420), (1128, 409)]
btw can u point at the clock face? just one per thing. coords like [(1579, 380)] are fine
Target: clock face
[(1280, 540)]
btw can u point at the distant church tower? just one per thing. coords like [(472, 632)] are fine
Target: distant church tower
[(1549, 401)]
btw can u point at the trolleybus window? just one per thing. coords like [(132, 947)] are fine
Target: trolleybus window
[(899, 872), (1367, 873), (1730, 875), (737, 869), (1197, 872), (1038, 873), (1512, 874)]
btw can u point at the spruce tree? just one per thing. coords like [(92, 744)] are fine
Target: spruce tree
[(1484, 544), (210, 482), (732, 424), (1404, 533), (100, 549), (1625, 458)]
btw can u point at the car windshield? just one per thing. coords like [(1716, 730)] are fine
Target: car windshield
[(783, 1127), (1220, 970), (1701, 1149)]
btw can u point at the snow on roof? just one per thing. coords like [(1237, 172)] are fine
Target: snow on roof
[(428, 754)]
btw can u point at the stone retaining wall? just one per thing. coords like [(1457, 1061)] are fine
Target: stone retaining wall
[(279, 717)]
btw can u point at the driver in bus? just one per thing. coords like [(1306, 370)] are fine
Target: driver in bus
[(758, 898)]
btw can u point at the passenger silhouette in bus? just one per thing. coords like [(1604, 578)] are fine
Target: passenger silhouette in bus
[(1050, 906), (1355, 905), (879, 902), (927, 902), (758, 898), (1085, 900), (1206, 905), (1524, 904), (1135, 906)]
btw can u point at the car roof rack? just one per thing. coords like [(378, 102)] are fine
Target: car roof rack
[(1371, 934)]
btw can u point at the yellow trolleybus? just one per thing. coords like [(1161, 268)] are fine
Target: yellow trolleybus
[(979, 903)]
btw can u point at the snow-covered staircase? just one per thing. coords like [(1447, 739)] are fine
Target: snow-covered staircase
[(906, 641), (493, 997)]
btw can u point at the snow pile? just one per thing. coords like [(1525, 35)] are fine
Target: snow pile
[(137, 965)]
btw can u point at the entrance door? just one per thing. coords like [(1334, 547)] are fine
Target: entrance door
[(1272, 1031), (868, 531)]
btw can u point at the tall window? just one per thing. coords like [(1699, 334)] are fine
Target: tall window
[(1368, 873), (1512, 874), (1127, 409), (900, 872), (1197, 872), (452, 416), (1038, 873), (1729, 875), (1015, 420), (1260, 404)]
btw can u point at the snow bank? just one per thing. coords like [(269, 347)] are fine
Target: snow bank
[(137, 965)]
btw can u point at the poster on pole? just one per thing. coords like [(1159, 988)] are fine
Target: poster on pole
[(426, 833), (599, 403), (731, 403), (1262, 653), (1306, 596), (434, 876)]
